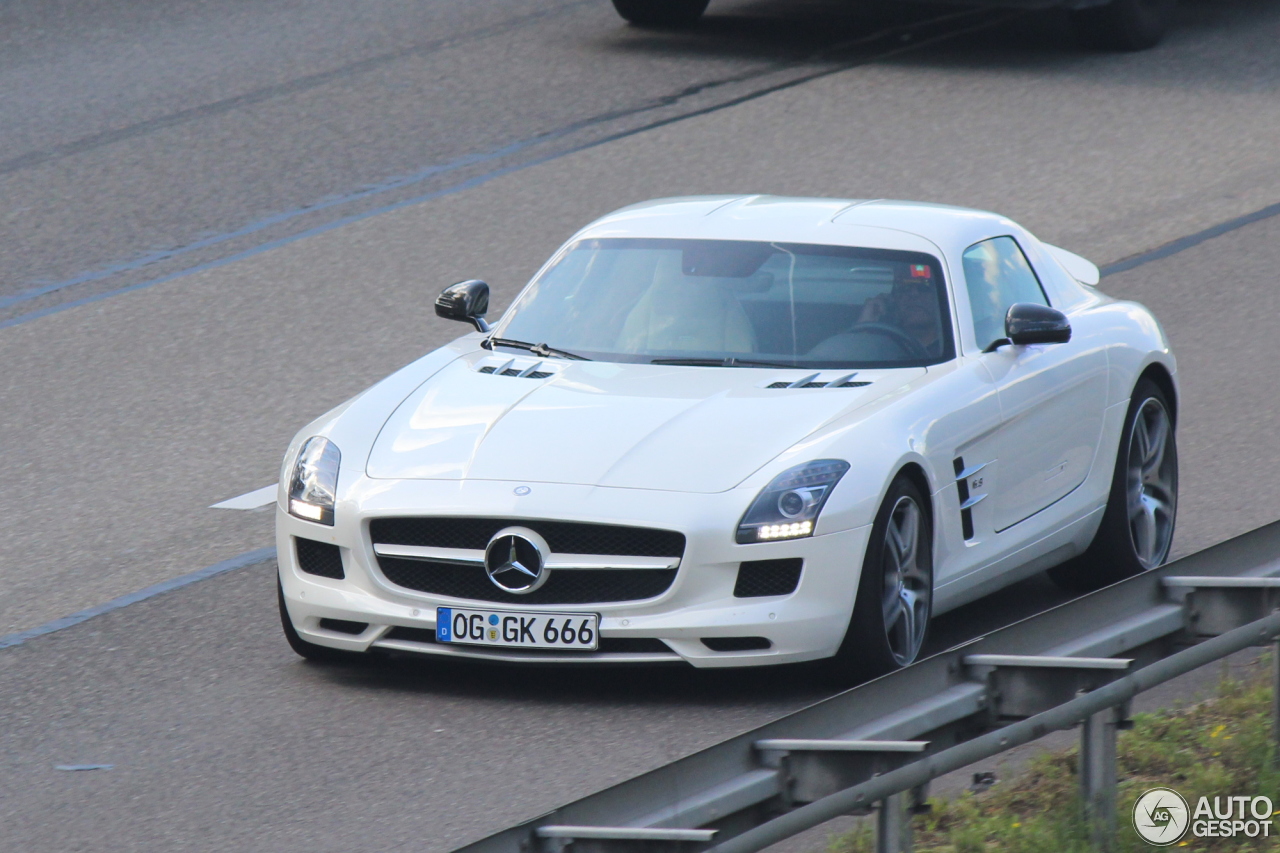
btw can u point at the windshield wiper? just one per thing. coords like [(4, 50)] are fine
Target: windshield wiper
[(537, 349), (731, 361)]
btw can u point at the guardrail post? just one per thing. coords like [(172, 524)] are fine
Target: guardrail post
[(893, 832), (1026, 685), (818, 768), (1098, 775), (1275, 704)]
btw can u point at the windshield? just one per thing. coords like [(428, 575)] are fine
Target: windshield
[(735, 302)]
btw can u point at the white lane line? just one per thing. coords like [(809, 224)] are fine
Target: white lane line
[(253, 500)]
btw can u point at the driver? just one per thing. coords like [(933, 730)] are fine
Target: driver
[(911, 306)]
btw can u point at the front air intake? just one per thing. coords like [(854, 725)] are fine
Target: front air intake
[(343, 626), (736, 644), (759, 578), (319, 558)]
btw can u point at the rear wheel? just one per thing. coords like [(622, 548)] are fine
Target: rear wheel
[(310, 651), (1137, 526), (895, 593), (661, 13), (1124, 24)]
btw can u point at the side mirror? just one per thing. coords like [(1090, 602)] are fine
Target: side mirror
[(1028, 323), (467, 301)]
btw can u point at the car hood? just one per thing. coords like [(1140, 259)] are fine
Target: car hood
[(641, 426)]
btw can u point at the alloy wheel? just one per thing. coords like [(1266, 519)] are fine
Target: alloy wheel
[(1151, 484), (908, 582)]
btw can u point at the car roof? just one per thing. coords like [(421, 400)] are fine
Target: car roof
[(870, 223)]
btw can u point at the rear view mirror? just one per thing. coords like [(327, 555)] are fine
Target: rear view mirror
[(467, 301), (1028, 323)]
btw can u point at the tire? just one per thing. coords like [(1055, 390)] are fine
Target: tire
[(1127, 25), (1142, 507), (310, 651), (661, 13), (883, 635)]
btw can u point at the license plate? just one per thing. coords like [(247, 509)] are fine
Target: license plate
[(508, 629)]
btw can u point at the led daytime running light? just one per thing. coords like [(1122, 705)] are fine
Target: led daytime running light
[(785, 531)]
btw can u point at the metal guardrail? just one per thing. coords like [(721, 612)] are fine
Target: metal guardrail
[(874, 747)]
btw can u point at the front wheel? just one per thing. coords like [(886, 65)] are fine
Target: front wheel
[(1124, 24), (1136, 532), (661, 13), (895, 592)]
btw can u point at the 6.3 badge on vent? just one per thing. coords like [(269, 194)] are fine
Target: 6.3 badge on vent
[(576, 631)]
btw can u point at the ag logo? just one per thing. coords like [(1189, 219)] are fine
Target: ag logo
[(1161, 816)]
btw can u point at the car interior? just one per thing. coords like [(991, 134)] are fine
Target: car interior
[(719, 299)]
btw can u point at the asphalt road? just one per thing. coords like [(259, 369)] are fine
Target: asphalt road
[(123, 419), (144, 139)]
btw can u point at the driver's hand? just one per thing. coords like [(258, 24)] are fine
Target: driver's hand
[(875, 310)]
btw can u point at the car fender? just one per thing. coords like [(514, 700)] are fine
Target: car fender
[(354, 428), (877, 441)]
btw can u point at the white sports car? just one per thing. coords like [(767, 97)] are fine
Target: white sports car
[(736, 431)]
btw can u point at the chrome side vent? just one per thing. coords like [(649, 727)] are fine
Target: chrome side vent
[(813, 381), (508, 369), (967, 501)]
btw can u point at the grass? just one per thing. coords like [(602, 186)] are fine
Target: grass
[(1218, 747)]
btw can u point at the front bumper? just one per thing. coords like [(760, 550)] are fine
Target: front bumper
[(806, 624)]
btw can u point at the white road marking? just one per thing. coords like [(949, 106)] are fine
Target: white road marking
[(253, 500)]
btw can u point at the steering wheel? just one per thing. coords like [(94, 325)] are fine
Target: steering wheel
[(908, 343)]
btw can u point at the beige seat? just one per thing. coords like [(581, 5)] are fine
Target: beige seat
[(686, 313)]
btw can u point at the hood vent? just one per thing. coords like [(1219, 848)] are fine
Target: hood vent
[(530, 371), (814, 381)]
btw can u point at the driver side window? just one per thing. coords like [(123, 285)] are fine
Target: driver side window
[(998, 275)]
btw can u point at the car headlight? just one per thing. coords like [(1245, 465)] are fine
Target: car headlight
[(788, 507), (314, 483)]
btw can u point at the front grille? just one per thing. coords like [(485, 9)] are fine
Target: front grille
[(563, 537), (319, 558), (758, 578), (577, 586), (736, 644), (611, 645)]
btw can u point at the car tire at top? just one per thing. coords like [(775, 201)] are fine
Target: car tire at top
[(1127, 25), (1136, 531), (661, 13)]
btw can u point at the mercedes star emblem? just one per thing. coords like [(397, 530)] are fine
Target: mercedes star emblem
[(516, 560)]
